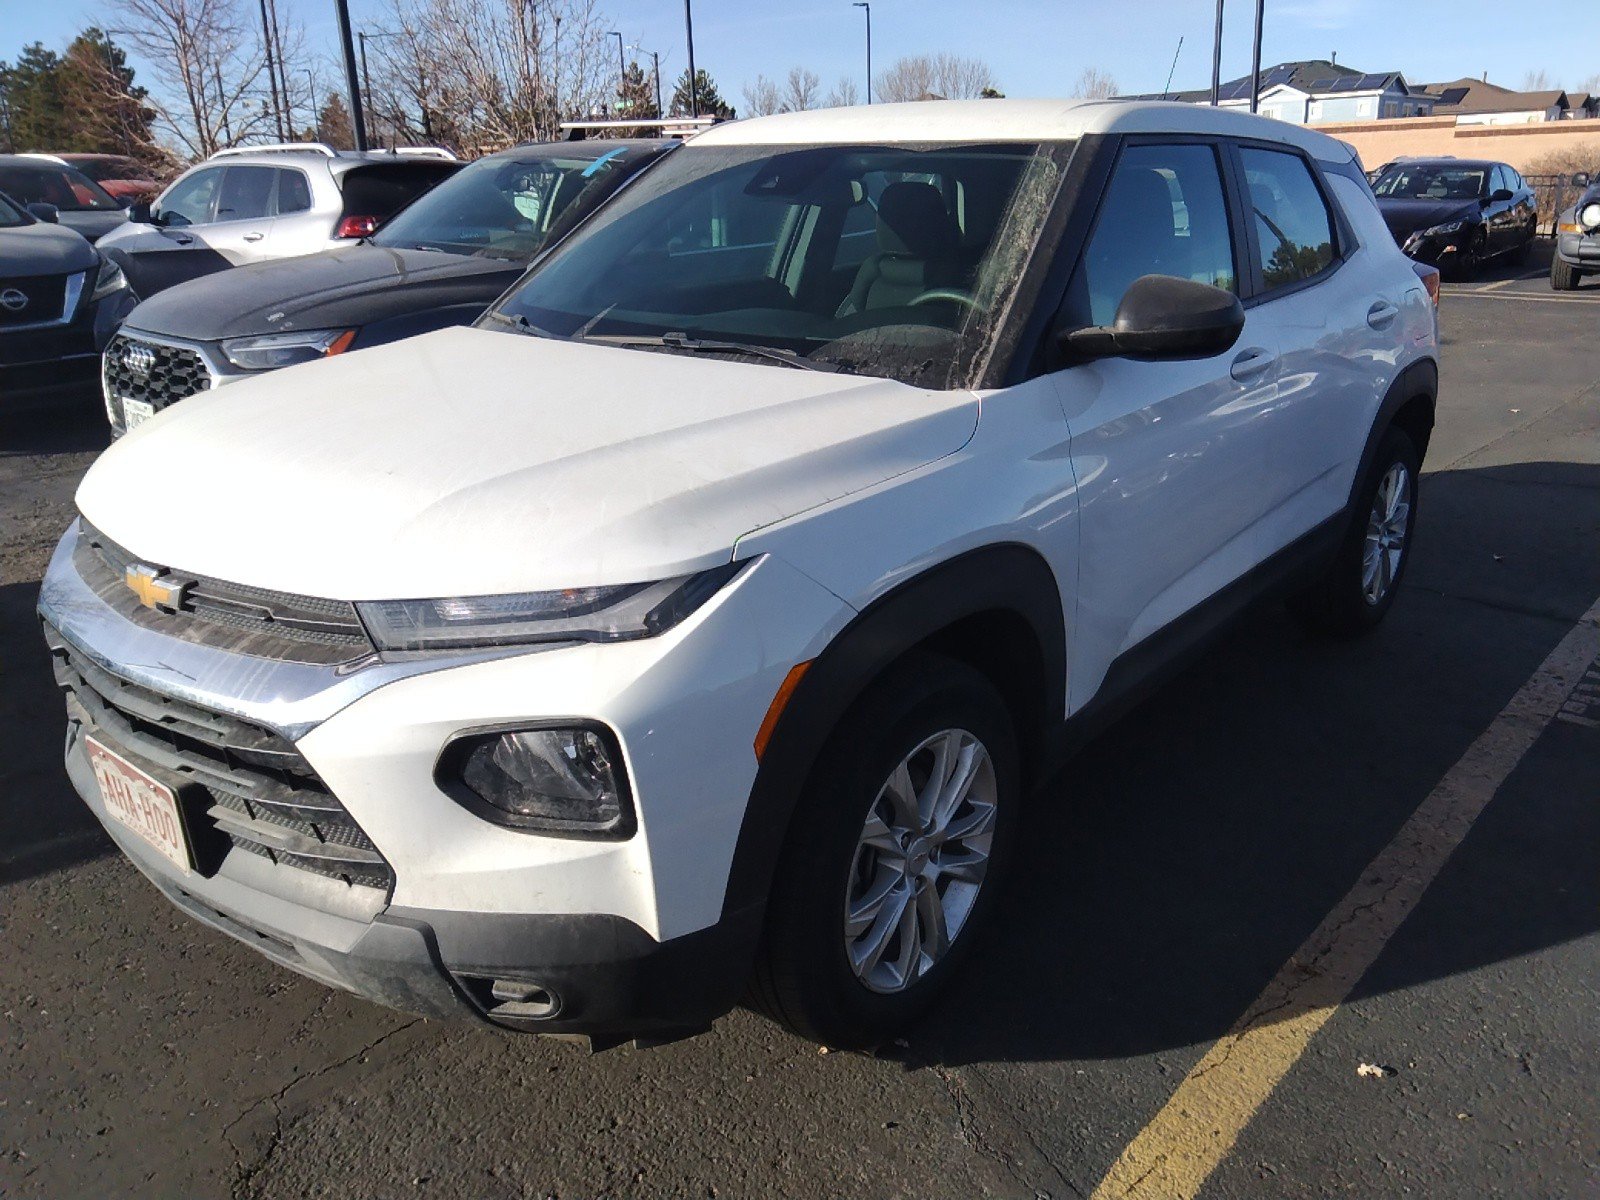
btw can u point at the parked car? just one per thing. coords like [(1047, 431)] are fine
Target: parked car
[(711, 605), (54, 192), (124, 179), (257, 203), (439, 262), (1577, 250), (1457, 214), (60, 300)]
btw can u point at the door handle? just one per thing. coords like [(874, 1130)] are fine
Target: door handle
[(254, 237), (1381, 313), (184, 240), (1251, 363)]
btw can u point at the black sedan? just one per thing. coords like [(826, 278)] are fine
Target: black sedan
[(1457, 214), (438, 262)]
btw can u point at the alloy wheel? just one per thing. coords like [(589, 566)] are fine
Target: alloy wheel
[(1386, 534), (920, 861)]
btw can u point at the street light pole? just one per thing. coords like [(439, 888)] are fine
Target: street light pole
[(622, 69), (688, 28), (272, 78), (656, 58), (1216, 60), (866, 4), (1255, 60), (358, 118), (366, 80)]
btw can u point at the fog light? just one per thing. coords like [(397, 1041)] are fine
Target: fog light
[(567, 781)]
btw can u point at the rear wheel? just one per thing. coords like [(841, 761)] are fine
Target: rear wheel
[(1563, 275), (1359, 588), (898, 850)]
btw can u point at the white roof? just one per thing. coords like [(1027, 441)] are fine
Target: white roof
[(1009, 120)]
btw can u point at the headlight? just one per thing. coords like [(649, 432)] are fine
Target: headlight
[(267, 352), (109, 278), (1441, 230), (1589, 216), (596, 614), (567, 779)]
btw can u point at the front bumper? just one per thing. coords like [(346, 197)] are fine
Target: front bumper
[(1579, 249), (631, 938), (1442, 251), (39, 366)]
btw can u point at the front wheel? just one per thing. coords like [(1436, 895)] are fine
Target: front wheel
[(1359, 588), (1563, 275), (895, 858)]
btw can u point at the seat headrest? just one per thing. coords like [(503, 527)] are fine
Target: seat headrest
[(912, 221), (1140, 201)]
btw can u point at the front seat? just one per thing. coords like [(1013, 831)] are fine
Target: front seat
[(918, 248), (1137, 236)]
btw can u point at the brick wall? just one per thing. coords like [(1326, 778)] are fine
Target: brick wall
[(1379, 142)]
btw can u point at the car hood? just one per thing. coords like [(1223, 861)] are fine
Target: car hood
[(1405, 217), (350, 286), (93, 224), (42, 249), (473, 462)]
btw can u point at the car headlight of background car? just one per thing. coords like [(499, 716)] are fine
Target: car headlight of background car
[(108, 278), (1443, 230), (267, 352), (590, 614)]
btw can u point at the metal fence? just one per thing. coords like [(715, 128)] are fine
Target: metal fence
[(1554, 193)]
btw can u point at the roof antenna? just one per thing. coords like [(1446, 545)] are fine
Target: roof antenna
[(1175, 53)]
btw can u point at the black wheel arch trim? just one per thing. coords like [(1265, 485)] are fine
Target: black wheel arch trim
[(1418, 382), (1008, 579)]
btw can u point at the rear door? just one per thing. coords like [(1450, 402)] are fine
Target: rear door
[(1169, 456)]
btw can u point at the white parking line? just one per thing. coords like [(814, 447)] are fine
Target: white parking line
[(1540, 297), (1177, 1152)]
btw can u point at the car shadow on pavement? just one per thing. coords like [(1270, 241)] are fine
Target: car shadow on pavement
[(68, 428), (1178, 861)]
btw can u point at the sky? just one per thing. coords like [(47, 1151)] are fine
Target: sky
[(1034, 47)]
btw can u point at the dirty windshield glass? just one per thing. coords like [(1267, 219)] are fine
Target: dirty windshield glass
[(1431, 183), (509, 207), (899, 261)]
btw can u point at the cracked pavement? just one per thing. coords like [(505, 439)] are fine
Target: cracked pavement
[(1174, 867)]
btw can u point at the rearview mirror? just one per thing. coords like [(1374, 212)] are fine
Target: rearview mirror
[(139, 211), (48, 213), (1161, 316)]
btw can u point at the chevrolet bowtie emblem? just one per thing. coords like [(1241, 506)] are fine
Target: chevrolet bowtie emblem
[(152, 590)]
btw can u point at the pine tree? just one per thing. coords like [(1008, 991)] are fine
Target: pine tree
[(333, 124), (637, 97), (710, 100), (31, 112), (104, 110)]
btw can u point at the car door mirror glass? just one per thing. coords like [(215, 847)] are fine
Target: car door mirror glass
[(1162, 316), (139, 211), (1501, 195), (48, 213), (1581, 179)]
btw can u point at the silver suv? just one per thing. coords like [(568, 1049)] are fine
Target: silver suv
[(254, 203)]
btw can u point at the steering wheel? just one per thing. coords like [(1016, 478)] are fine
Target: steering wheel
[(950, 294)]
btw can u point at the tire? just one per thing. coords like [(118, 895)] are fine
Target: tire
[(1470, 263), (1563, 275), (805, 976), (1360, 586)]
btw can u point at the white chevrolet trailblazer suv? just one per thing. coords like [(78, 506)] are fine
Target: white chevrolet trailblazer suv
[(703, 617)]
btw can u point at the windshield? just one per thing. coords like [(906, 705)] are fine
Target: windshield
[(897, 261), (506, 207), (68, 189), (1418, 181), (12, 216)]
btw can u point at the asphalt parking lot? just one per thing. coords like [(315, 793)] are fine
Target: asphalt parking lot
[(1318, 919)]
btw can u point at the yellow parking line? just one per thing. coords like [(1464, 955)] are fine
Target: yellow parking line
[(1176, 1153)]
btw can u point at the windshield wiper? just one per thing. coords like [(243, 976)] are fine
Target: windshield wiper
[(682, 341), (522, 325)]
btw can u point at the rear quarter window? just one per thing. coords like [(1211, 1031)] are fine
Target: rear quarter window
[(1294, 229), (381, 189)]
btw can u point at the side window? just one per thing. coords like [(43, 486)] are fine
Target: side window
[(189, 201), (1163, 214), (294, 192), (1294, 228), (246, 193)]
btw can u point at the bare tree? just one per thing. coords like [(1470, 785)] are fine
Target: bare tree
[(207, 61), (844, 94), (762, 98), (801, 90), (1538, 81), (934, 77), (1094, 84)]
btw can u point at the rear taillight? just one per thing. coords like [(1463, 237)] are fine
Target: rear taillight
[(1430, 280), (356, 227)]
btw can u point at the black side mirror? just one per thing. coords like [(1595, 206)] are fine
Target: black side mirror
[(1501, 195), (1162, 316), (48, 213), (1581, 179), (139, 211)]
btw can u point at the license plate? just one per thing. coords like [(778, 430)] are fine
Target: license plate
[(136, 412), (142, 803)]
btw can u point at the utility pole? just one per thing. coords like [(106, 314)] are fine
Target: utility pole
[(688, 27), (1216, 60), (656, 58), (366, 80), (622, 64), (358, 117), (1255, 59), (311, 91), (866, 4), (272, 75)]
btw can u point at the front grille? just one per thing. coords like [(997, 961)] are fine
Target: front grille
[(230, 616), (152, 372), (247, 786), (42, 299)]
